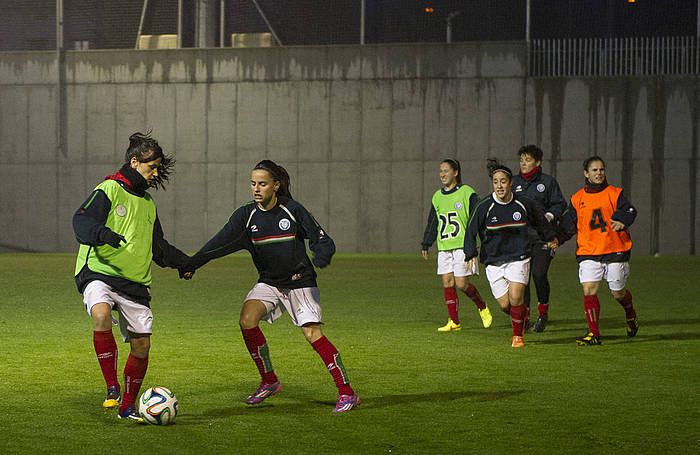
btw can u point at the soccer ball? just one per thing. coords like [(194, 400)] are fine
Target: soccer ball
[(158, 406)]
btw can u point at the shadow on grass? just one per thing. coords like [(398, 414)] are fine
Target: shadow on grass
[(618, 339), (373, 402), (565, 325)]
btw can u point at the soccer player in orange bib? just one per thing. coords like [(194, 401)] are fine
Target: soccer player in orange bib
[(599, 215)]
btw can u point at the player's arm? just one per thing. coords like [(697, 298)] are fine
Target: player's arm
[(538, 220), (567, 224), (430, 232), (231, 238), (89, 222), (320, 243), (165, 254), (625, 214), (474, 227), (557, 203)]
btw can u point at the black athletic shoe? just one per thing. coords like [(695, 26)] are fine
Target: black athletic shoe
[(632, 327), (589, 340), (540, 323)]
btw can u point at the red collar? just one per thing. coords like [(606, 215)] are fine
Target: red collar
[(530, 176), (118, 176)]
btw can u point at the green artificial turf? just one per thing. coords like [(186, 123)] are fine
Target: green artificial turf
[(422, 391)]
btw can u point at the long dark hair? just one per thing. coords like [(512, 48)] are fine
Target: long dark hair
[(145, 148), (279, 174), (493, 165), (454, 164)]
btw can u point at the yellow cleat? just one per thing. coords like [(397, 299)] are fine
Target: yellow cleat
[(450, 327), (518, 342), (112, 398), (486, 317)]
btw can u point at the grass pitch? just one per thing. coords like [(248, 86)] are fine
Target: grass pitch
[(422, 391)]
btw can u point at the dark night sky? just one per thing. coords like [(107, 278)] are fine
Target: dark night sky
[(30, 24)]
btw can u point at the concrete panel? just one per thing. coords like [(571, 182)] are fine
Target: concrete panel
[(28, 68), (506, 132), (679, 121), (404, 219), (190, 122), (503, 59), (222, 186), (160, 117), (570, 177), (283, 121), (73, 191), (439, 120), (76, 123), (314, 121), (640, 196), (345, 212), (11, 224), (345, 63), (407, 120), (574, 125), (307, 63), (42, 145), (674, 219), (131, 110), (390, 62), (345, 120), (607, 106), (641, 123), (311, 189), (376, 120), (463, 60), (474, 105), (101, 125), (14, 128), (376, 211), (252, 121), (190, 207), (697, 216), (221, 123), (39, 207)]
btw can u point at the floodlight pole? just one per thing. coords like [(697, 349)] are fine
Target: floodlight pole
[(362, 21), (143, 16), (451, 17), (222, 22), (179, 24), (269, 26)]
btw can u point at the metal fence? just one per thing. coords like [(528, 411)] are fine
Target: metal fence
[(604, 57)]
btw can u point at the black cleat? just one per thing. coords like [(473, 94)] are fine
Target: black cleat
[(589, 340), (540, 323), (632, 327)]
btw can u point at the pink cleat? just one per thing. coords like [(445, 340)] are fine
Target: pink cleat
[(264, 391), (346, 403)]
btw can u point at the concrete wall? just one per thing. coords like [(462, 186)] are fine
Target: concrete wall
[(360, 129)]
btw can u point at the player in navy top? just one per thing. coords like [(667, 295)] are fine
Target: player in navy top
[(273, 228), (502, 221), (544, 190)]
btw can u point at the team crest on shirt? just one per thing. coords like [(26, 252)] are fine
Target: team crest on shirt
[(541, 188), (518, 189), (284, 224), (458, 205), (120, 210), (517, 216)]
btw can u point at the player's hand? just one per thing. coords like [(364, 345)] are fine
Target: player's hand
[(424, 253), (553, 244), (617, 225), (473, 263), (320, 261), (111, 238), (187, 275), (549, 216)]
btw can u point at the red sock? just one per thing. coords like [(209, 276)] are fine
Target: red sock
[(330, 356), (517, 317), (452, 303), (134, 372), (591, 306), (257, 347), (106, 350), (473, 294), (626, 303), (543, 308)]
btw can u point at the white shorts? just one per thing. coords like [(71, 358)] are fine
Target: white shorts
[(452, 261), (133, 317), (303, 305), (500, 276), (615, 273)]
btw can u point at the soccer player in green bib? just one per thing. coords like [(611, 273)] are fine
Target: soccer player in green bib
[(449, 214), (120, 235)]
